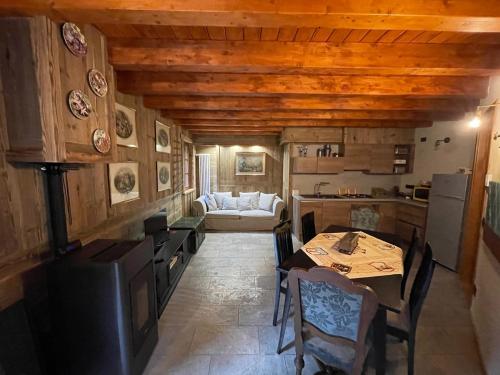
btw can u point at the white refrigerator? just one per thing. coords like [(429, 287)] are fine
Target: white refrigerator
[(445, 217)]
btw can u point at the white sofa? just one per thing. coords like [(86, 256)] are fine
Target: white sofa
[(236, 220)]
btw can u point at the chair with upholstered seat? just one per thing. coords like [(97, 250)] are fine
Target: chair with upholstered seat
[(308, 227), (332, 318), (283, 248), (403, 325)]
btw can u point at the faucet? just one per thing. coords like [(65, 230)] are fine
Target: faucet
[(317, 187)]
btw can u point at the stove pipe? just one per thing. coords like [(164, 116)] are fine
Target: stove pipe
[(57, 208)]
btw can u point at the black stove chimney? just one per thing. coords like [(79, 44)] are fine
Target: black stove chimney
[(57, 194)]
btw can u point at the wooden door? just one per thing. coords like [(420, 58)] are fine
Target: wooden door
[(356, 157)]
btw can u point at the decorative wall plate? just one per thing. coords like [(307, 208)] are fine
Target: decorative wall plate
[(79, 104), (101, 141), (97, 82), (74, 39)]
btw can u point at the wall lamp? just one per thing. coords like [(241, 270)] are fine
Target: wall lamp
[(475, 121), (439, 141)]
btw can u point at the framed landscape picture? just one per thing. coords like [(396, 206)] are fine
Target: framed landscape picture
[(164, 175), (250, 163), (126, 131), (123, 182), (162, 137)]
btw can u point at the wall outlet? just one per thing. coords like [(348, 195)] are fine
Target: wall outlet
[(423, 139)]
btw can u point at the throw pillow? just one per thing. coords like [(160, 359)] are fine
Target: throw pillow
[(229, 203), (245, 203), (219, 197), (254, 197), (211, 203), (266, 201)]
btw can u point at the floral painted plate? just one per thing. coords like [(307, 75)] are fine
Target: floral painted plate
[(97, 82), (101, 141), (74, 39), (79, 104)]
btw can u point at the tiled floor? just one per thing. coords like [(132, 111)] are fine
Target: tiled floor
[(219, 320)]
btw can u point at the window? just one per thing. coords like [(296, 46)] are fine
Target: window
[(187, 164)]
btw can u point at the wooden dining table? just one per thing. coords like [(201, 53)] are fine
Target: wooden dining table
[(380, 270)]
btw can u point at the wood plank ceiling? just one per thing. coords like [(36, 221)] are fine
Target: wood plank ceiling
[(255, 67)]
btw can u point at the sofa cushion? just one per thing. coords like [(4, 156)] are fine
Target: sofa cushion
[(262, 214), (211, 202), (266, 201), (229, 203), (224, 214), (244, 203), (219, 197), (254, 197)]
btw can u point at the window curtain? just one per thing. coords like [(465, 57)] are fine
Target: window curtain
[(204, 173)]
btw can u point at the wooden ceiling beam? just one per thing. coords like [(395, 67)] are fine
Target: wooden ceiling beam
[(207, 84), (247, 103), (314, 114), (303, 57), (433, 15), (306, 123)]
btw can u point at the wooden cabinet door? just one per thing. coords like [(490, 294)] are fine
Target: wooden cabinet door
[(305, 165), (317, 208), (330, 165), (381, 159), (387, 221), (356, 157), (336, 213)]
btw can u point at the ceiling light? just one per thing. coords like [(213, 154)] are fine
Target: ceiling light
[(475, 122)]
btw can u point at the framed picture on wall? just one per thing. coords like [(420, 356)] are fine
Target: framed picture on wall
[(126, 131), (162, 137), (123, 182), (250, 163), (164, 175)]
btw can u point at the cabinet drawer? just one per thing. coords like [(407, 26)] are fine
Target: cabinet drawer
[(412, 215)]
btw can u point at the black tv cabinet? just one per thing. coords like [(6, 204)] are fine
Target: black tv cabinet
[(171, 259)]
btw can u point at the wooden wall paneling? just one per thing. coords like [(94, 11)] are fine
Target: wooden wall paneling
[(73, 72)]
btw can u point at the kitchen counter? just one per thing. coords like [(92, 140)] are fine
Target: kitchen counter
[(373, 200)]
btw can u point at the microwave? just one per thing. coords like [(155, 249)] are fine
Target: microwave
[(421, 193)]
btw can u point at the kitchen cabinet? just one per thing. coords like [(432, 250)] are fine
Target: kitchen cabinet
[(356, 157), (305, 165), (395, 216), (38, 73), (411, 217), (379, 136), (330, 165), (381, 159)]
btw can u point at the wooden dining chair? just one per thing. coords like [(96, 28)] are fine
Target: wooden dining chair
[(408, 261), (332, 319), (403, 325), (283, 248), (308, 227)]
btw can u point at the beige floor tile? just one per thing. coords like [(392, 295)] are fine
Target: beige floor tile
[(247, 365), (225, 340), (189, 365)]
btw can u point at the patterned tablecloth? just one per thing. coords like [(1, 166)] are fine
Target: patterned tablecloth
[(371, 258)]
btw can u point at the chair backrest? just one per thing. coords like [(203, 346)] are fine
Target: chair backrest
[(408, 261), (308, 227), (421, 285), (283, 245), (333, 308)]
